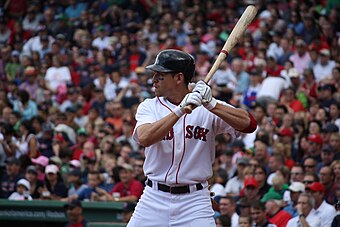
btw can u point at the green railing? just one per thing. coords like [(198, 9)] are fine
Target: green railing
[(39, 212)]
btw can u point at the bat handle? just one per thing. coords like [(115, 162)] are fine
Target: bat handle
[(188, 109)]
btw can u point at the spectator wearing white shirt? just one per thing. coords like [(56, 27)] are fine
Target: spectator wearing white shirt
[(102, 41), (326, 211), (323, 68), (227, 206), (35, 44), (22, 192), (32, 20), (57, 74), (307, 216)]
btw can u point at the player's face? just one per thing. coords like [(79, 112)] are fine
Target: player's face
[(163, 83)]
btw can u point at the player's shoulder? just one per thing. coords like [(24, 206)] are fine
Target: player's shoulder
[(150, 101)]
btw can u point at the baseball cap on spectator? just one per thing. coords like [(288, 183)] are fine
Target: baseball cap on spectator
[(32, 169), (331, 128), (12, 160), (127, 167), (300, 42), (15, 53), (75, 172), (237, 143), (286, 132), (56, 160), (325, 52), (51, 169), (60, 36), (316, 187), (73, 204), (316, 138), (75, 163), (242, 161), (271, 195), (327, 148), (46, 127), (82, 132), (41, 160), (293, 73), (30, 71), (251, 181), (329, 87), (68, 130), (297, 187), (24, 183)]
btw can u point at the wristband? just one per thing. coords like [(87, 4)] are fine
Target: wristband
[(178, 111), (210, 105), (301, 216)]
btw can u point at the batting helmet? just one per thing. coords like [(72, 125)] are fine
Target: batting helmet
[(174, 61)]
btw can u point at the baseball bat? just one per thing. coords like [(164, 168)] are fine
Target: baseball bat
[(240, 27)]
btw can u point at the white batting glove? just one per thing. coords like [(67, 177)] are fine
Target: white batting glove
[(191, 98), (204, 89)]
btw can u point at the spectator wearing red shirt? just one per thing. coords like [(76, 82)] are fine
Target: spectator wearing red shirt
[(275, 214), (291, 102), (128, 188)]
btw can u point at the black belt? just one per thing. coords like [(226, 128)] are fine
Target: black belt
[(174, 190)]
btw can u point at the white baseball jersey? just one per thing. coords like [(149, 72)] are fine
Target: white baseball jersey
[(186, 154)]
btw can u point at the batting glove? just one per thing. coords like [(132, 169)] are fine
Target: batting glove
[(204, 89), (191, 98)]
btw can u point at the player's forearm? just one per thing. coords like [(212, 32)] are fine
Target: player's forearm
[(149, 134), (235, 117)]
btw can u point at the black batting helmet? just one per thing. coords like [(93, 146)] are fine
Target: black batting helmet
[(174, 61)]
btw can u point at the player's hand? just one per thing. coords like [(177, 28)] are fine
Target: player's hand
[(204, 90), (193, 98)]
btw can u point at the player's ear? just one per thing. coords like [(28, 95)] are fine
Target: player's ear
[(179, 77)]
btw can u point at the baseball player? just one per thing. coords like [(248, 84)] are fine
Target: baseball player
[(179, 147)]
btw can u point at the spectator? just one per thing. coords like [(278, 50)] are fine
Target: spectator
[(258, 215), (235, 184), (25, 105), (301, 57), (129, 189), (223, 221), (323, 69), (74, 212), (22, 192), (244, 221), (75, 183), (307, 216), (36, 184), (323, 209), (227, 207), (54, 187), (10, 177), (296, 174), (90, 190), (276, 215), (327, 179), (295, 190)]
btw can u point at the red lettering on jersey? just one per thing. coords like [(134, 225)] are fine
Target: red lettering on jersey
[(204, 132), (198, 133), (189, 131), (170, 135)]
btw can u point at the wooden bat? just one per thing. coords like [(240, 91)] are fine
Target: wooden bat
[(240, 27)]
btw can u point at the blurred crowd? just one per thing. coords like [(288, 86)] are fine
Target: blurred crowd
[(73, 73)]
